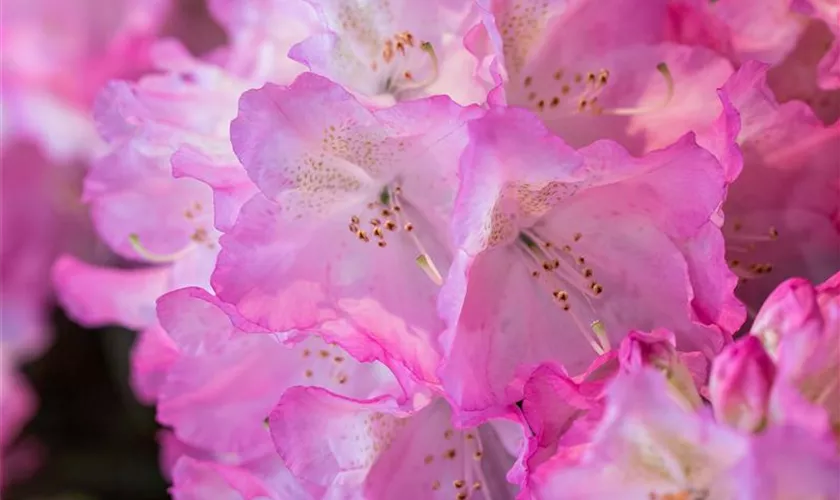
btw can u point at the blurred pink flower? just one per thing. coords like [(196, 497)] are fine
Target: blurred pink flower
[(781, 207)]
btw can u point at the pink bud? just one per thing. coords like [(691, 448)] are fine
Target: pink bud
[(741, 380), (657, 349), (654, 349), (792, 309), (800, 324)]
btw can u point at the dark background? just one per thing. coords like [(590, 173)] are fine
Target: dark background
[(97, 442)]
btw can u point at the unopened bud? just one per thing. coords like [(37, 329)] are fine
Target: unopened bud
[(741, 380)]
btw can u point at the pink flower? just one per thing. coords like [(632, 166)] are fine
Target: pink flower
[(57, 57), (797, 77), (800, 325), (602, 70), (139, 208), (685, 372), (349, 234), (197, 474), (257, 49), (562, 253), (785, 463), (562, 414), (741, 30), (364, 449), (217, 376), (170, 178), (780, 210), (649, 446), (396, 49), (151, 196), (197, 480), (98, 296), (740, 385)]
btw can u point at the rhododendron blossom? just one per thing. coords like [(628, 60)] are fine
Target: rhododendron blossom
[(469, 249), (561, 253), (394, 49), (365, 195), (648, 446)]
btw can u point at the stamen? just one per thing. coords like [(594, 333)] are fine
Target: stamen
[(743, 243), (389, 206), (752, 271), (561, 264), (557, 274), (428, 266), (601, 334), (662, 68), (151, 256), (424, 260), (410, 84)]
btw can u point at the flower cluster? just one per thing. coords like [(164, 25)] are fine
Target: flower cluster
[(479, 249)]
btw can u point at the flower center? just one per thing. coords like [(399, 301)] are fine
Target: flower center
[(578, 93), (386, 216), (567, 276), (200, 237), (405, 64), (741, 243), (466, 447), (689, 494)]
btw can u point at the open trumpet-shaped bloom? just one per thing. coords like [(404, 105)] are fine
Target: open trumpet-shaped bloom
[(349, 233), (562, 253)]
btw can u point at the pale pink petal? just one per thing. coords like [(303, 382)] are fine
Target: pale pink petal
[(558, 413), (152, 356), (98, 296), (648, 444), (347, 445), (786, 462)]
